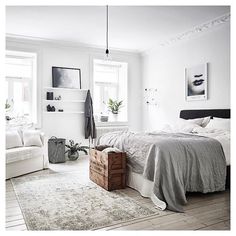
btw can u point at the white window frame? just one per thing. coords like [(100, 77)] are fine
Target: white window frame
[(33, 86), (92, 83)]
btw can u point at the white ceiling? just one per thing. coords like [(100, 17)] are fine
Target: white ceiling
[(135, 28)]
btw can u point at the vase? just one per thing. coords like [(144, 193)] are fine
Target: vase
[(73, 155), (114, 117)]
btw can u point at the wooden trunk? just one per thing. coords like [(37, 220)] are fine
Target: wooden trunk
[(108, 169)]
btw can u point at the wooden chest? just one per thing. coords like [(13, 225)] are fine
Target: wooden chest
[(108, 169)]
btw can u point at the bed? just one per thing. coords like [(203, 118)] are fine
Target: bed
[(221, 113), (164, 166)]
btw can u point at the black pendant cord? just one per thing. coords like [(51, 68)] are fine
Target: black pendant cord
[(107, 50)]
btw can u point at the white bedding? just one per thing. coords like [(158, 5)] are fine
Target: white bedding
[(145, 187), (223, 136), (188, 126)]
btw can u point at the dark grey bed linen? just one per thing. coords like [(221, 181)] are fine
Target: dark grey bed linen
[(177, 163)]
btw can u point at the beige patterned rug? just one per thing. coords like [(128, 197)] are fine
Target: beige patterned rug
[(64, 202)]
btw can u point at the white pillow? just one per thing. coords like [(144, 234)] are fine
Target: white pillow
[(13, 139), (200, 121), (219, 123), (184, 126), (206, 130), (221, 119), (32, 138)]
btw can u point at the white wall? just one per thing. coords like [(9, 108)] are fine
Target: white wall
[(70, 126), (164, 69)]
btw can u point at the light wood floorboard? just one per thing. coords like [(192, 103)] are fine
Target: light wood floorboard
[(203, 211)]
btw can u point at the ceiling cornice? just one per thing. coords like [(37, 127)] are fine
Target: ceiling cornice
[(188, 34), (82, 46), (191, 33)]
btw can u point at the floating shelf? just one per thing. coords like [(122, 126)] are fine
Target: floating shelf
[(79, 101), (66, 89), (63, 112)]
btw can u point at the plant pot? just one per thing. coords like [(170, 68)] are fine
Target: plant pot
[(103, 118), (73, 155), (113, 116)]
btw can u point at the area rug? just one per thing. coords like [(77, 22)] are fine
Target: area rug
[(64, 202)]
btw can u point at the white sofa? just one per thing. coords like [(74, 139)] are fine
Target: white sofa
[(23, 160)]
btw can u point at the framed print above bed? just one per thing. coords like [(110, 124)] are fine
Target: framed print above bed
[(63, 77), (196, 82)]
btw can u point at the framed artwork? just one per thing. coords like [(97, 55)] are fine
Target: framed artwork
[(196, 82), (63, 77)]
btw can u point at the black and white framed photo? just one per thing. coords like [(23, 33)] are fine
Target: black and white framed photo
[(196, 82), (63, 77)]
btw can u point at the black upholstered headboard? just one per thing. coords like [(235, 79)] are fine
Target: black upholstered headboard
[(191, 114)]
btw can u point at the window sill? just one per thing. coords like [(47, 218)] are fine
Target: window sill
[(111, 123)]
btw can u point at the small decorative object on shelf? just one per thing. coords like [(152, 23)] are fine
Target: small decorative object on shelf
[(51, 108), (49, 95), (58, 98), (60, 110), (73, 150)]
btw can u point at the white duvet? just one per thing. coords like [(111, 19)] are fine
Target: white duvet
[(223, 136)]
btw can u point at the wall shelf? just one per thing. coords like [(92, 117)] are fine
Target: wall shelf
[(65, 89), (62, 100), (71, 103), (64, 112)]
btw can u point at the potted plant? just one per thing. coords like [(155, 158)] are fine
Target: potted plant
[(8, 108), (73, 150), (114, 106)]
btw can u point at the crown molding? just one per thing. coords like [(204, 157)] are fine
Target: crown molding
[(61, 43), (189, 34), (192, 33)]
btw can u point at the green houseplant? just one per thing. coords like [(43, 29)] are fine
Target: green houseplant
[(73, 150), (114, 106), (9, 105), (8, 108)]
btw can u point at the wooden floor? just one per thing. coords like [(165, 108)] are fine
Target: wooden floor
[(203, 211)]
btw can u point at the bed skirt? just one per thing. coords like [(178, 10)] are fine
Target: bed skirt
[(145, 187)]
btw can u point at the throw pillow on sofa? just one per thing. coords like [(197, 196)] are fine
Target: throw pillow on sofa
[(32, 138), (13, 139)]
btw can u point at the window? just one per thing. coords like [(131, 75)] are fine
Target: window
[(110, 81), (20, 84)]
